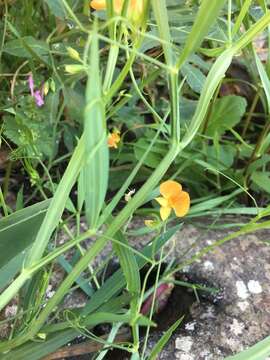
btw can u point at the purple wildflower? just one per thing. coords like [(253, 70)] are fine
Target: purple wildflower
[(37, 95), (31, 84), (38, 98)]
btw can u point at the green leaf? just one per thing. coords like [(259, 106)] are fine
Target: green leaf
[(18, 230), (17, 47), (156, 154), (163, 340), (260, 351), (225, 114), (81, 281), (75, 102), (95, 172), (221, 157), (130, 269), (56, 8), (214, 77), (262, 179), (37, 350), (194, 77), (57, 204)]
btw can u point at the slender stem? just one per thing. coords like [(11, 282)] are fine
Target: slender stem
[(230, 21), (257, 149), (251, 111), (3, 203)]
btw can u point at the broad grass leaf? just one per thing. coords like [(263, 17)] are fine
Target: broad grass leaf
[(214, 77), (36, 350), (18, 230), (130, 269), (264, 78), (95, 171), (207, 15), (9, 270), (163, 340), (226, 113), (58, 203)]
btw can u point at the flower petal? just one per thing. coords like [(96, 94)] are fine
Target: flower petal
[(162, 201), (98, 4), (165, 212), (170, 188), (181, 204)]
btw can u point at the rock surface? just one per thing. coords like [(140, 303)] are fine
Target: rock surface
[(241, 317)]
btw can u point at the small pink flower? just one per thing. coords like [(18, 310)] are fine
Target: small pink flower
[(37, 95), (31, 84), (38, 98)]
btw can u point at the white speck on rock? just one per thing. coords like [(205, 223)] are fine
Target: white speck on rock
[(190, 326), (243, 305), (49, 292), (237, 327), (254, 287), (204, 354), (208, 265), (209, 313), (184, 356), (242, 290), (184, 343), (11, 310), (186, 269)]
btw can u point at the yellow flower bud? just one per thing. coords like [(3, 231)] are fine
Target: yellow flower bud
[(73, 53), (74, 68)]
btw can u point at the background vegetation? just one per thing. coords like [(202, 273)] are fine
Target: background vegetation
[(185, 84)]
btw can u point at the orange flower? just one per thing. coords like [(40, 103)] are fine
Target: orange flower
[(173, 198), (135, 8), (114, 139)]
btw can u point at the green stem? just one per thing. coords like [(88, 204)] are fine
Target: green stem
[(113, 55), (175, 107)]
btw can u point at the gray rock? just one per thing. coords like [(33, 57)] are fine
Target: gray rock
[(242, 316)]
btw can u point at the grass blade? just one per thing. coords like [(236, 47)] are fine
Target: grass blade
[(164, 339), (95, 172), (206, 16)]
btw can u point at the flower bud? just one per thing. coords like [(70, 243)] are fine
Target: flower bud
[(73, 53), (74, 68)]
